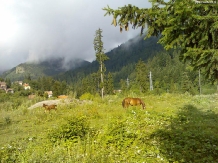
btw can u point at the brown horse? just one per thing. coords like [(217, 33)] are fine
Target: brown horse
[(133, 102), (49, 107)]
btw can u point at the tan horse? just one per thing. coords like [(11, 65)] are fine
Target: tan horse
[(133, 102), (49, 107)]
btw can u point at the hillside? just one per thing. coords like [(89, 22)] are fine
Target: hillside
[(126, 54), (46, 68)]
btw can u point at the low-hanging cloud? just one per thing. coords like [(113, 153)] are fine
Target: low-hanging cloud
[(44, 29)]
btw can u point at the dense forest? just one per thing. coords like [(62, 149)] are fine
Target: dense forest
[(169, 74)]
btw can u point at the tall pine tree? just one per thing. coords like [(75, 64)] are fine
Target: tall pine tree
[(100, 57), (141, 76), (109, 84)]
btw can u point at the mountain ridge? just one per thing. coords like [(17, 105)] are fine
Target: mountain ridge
[(125, 54), (46, 68)]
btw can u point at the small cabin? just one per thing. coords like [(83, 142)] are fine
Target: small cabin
[(26, 86), (49, 93), (3, 86)]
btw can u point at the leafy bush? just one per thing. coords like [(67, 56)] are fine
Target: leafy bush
[(7, 120), (77, 127), (8, 153), (118, 136), (87, 96)]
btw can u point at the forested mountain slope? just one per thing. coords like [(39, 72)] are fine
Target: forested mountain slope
[(124, 55), (47, 68), (168, 73)]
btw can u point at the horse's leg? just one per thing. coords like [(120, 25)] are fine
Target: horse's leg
[(123, 104), (143, 104)]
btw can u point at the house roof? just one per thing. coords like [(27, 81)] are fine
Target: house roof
[(2, 84), (25, 85), (49, 92)]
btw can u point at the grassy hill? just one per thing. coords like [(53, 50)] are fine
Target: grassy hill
[(172, 128)]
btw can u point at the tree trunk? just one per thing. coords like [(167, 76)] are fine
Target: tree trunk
[(102, 81)]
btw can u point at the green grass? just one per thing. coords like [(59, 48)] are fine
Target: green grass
[(172, 128)]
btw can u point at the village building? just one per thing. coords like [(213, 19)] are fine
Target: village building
[(3, 86), (26, 86), (19, 82), (49, 93)]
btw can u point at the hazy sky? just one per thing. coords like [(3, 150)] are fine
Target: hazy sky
[(36, 30)]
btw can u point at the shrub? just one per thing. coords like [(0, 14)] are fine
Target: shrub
[(7, 120), (86, 96), (119, 136), (75, 128), (8, 153)]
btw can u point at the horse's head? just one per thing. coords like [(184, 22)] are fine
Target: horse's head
[(143, 104)]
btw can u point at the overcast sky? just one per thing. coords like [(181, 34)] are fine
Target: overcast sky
[(37, 30)]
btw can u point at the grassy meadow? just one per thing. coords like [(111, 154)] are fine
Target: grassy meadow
[(172, 128)]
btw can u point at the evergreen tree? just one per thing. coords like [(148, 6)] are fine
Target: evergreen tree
[(8, 83), (109, 87), (157, 87), (183, 24), (56, 88), (186, 84), (45, 83), (64, 88), (85, 86), (27, 79), (141, 76), (94, 82), (124, 86), (100, 57)]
